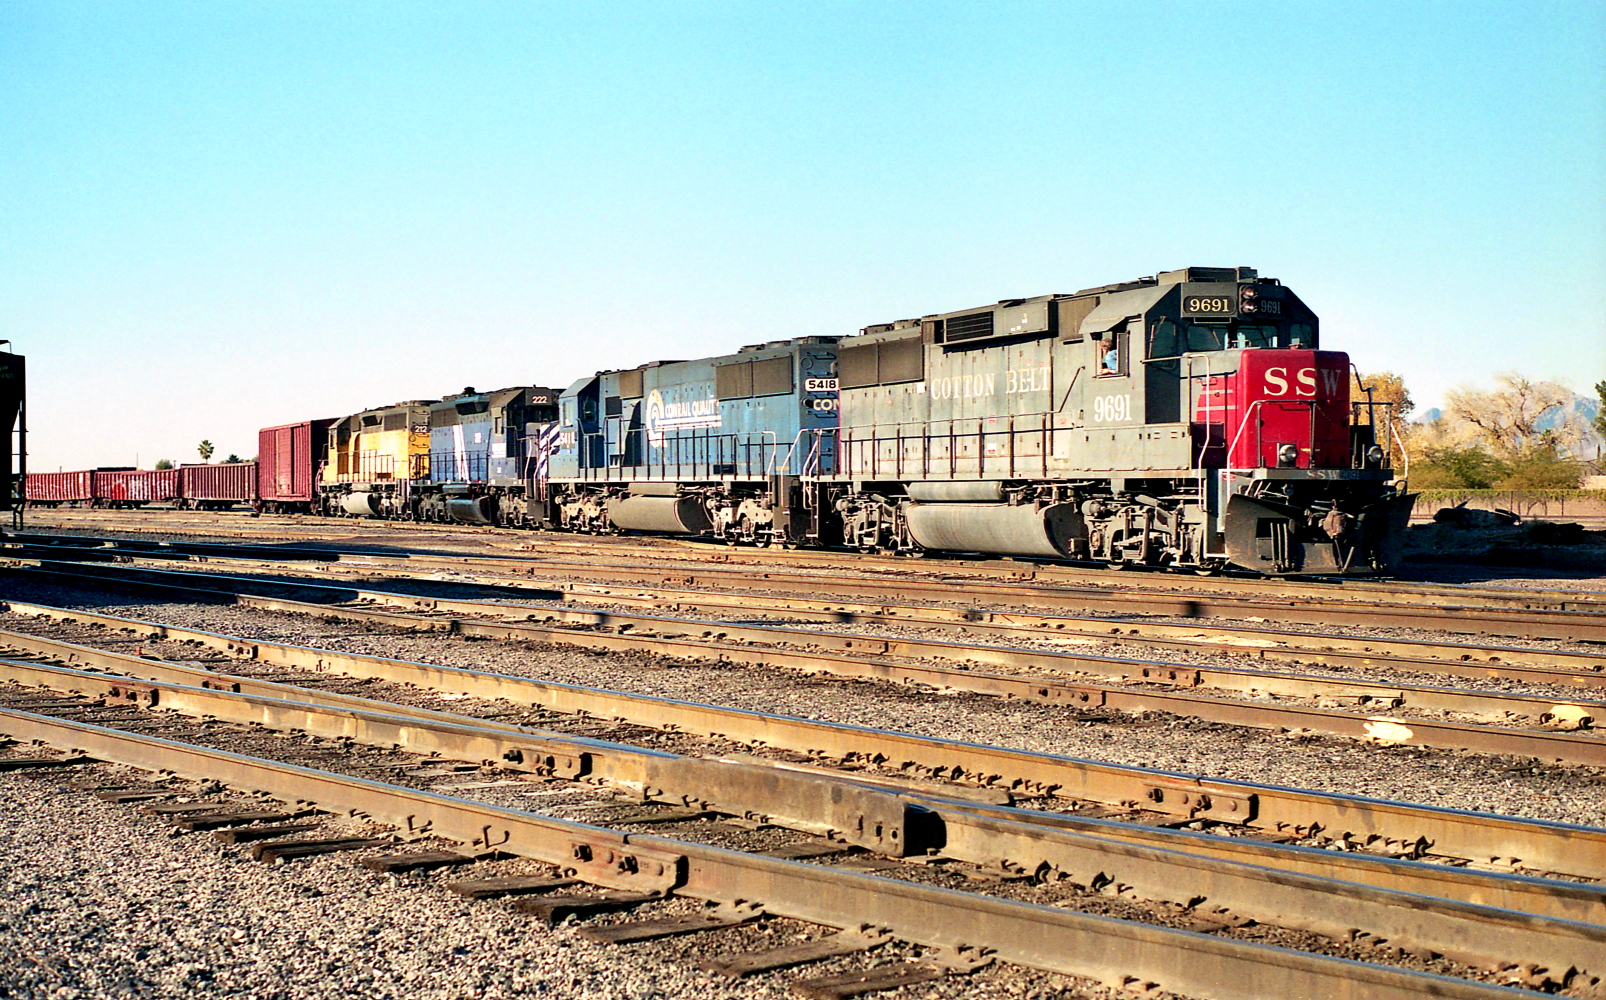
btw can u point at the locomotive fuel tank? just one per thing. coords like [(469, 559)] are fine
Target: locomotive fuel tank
[(666, 515), (362, 504), (1049, 532), (468, 510)]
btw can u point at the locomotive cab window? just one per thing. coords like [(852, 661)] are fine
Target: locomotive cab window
[(1251, 335), (1112, 354), (1169, 339)]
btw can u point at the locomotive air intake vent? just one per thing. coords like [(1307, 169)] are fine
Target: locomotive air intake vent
[(971, 327)]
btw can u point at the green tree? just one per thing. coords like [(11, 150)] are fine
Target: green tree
[(1457, 468), (1541, 468), (233, 458), (1600, 414), (164, 463), (205, 448)]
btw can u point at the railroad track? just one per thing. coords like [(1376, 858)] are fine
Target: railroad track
[(1311, 817), (1545, 666), (1183, 847), (1152, 686), (703, 553), (639, 866), (1586, 621)]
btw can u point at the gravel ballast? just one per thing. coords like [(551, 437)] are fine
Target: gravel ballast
[(101, 901), (1513, 786)]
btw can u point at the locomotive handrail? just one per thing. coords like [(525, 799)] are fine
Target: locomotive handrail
[(468, 465), (683, 455), (864, 452), (1405, 456), (777, 466), (1209, 407), (1308, 404), (1393, 428)]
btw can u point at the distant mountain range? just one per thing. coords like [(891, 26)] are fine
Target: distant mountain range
[(1582, 408)]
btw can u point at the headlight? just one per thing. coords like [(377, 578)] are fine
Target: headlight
[(1374, 455), (1287, 454)]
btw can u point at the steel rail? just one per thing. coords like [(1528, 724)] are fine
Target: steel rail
[(1476, 935), (555, 752), (1420, 830), (1325, 649), (859, 656), (1023, 570), (1566, 625), (1563, 667), (1387, 694), (1587, 624), (1584, 669), (1042, 937)]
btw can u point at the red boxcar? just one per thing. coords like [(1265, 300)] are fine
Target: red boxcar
[(136, 488), (50, 489), (217, 487), (287, 464)]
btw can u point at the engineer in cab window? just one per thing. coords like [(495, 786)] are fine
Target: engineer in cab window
[(1111, 363)]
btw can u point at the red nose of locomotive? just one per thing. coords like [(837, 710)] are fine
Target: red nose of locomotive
[(1281, 408)]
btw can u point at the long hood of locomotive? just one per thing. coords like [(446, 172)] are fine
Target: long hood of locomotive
[(1155, 380), (748, 415)]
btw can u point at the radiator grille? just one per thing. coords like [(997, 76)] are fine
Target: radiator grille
[(971, 327)]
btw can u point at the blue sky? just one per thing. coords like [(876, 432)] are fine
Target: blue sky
[(215, 217)]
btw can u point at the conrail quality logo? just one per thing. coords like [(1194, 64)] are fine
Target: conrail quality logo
[(664, 416)]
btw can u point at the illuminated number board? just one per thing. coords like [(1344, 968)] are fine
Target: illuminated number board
[(1212, 304)]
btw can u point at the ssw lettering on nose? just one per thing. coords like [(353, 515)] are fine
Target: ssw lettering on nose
[(1304, 381)]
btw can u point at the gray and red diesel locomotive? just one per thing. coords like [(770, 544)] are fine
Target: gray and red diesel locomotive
[(1185, 420)]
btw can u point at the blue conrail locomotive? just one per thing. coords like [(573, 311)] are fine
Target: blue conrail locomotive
[(719, 446)]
